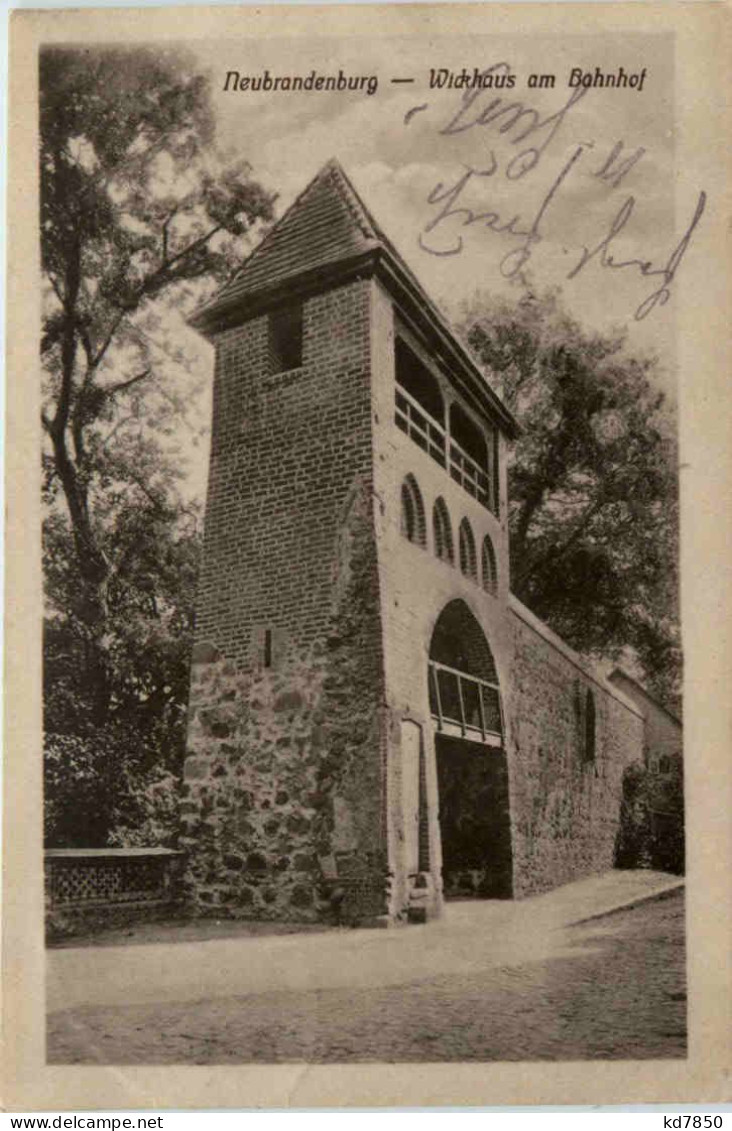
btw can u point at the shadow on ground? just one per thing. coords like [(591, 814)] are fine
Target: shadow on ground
[(611, 989)]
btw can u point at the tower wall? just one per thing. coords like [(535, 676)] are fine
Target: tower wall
[(283, 778), (563, 811), (315, 766), (415, 586)]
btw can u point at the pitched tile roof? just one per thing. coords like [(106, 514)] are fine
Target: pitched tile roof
[(326, 224), (326, 230)]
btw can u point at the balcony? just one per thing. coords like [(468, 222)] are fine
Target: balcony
[(433, 438), (415, 423), (464, 706)]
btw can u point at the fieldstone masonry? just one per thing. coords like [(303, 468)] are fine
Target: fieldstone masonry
[(315, 756), (283, 810)]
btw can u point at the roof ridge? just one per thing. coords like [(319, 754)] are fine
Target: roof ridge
[(366, 222), (331, 169)]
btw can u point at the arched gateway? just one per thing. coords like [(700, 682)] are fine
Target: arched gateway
[(472, 774)]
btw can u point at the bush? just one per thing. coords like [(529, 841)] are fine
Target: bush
[(651, 830), (107, 787)]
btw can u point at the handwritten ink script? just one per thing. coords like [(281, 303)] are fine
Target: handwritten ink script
[(515, 141)]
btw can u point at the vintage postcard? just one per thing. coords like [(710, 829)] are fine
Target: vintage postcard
[(367, 722)]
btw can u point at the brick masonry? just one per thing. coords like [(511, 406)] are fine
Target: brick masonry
[(283, 813), (312, 772)]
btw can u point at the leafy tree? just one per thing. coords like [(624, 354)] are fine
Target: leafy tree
[(139, 215), (134, 208), (118, 772), (593, 485)]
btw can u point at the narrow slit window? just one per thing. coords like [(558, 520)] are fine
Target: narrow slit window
[(285, 339), (590, 728)]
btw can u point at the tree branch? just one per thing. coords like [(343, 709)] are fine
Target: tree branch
[(559, 551), (121, 386), (99, 356)]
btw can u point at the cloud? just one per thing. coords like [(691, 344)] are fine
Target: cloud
[(395, 159)]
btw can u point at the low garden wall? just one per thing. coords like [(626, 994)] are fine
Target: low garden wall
[(104, 877)]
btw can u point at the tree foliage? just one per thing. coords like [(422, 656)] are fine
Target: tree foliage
[(592, 483), (139, 213), (651, 828)]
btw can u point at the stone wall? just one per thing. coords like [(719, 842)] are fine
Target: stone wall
[(565, 809), (284, 775), (663, 732)]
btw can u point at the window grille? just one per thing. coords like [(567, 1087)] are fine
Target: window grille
[(464, 705)]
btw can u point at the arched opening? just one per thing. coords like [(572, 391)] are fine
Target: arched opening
[(419, 382), (489, 569), (468, 561), (474, 458), (419, 407), (472, 772), (412, 512), (442, 532), (468, 436)]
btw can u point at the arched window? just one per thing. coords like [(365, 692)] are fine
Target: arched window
[(443, 532), (489, 570), (468, 561), (412, 514), (590, 725)]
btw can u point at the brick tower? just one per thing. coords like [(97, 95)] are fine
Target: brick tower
[(348, 734)]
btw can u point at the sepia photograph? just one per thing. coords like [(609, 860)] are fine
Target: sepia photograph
[(360, 416)]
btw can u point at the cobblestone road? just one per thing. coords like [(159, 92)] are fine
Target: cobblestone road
[(613, 988)]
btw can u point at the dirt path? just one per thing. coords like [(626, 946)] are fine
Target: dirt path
[(614, 988)]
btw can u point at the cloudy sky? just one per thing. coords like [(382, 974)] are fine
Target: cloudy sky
[(408, 147), (397, 160)]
